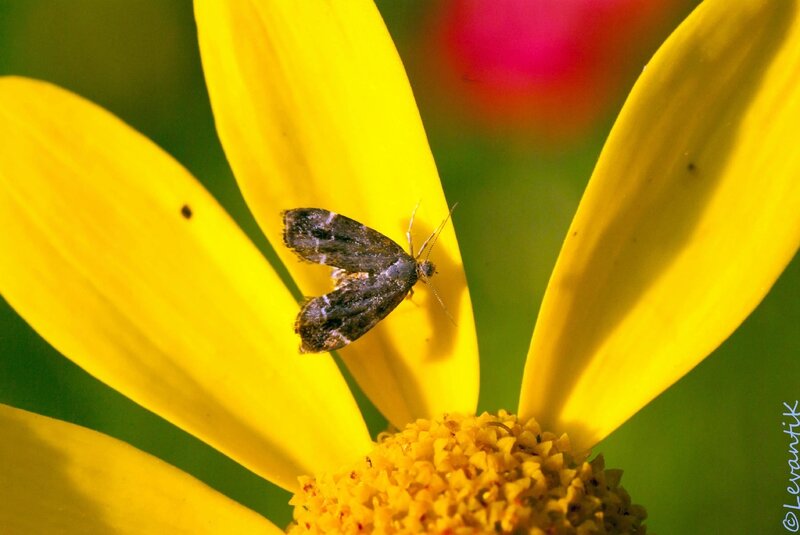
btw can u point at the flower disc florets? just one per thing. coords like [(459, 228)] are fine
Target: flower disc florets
[(474, 474)]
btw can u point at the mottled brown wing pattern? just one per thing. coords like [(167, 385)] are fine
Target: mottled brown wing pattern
[(325, 237), (373, 276)]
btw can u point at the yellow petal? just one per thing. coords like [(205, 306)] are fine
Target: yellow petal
[(61, 478), (690, 216), (176, 310), (314, 109)]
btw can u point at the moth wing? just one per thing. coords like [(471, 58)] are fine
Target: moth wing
[(324, 237), (334, 320)]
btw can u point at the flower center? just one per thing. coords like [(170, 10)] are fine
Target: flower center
[(469, 474)]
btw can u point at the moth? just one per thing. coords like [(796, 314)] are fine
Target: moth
[(372, 274)]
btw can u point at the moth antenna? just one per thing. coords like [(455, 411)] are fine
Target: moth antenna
[(438, 298), (435, 234), (408, 232)]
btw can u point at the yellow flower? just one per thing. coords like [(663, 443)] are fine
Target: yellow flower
[(120, 260)]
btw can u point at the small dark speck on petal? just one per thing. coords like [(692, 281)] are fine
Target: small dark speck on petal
[(691, 167), (186, 211)]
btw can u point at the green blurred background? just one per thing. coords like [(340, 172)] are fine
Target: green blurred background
[(707, 456)]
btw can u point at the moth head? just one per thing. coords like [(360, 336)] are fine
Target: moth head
[(425, 270)]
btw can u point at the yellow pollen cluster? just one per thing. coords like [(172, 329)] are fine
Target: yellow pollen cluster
[(474, 474)]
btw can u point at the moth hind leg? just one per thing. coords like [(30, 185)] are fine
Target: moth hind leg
[(342, 277), (338, 275)]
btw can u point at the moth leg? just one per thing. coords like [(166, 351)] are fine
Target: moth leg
[(408, 232), (338, 275), (342, 277)]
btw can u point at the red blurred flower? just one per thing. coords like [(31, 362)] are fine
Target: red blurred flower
[(554, 66)]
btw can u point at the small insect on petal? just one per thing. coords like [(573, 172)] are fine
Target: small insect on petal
[(372, 275)]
